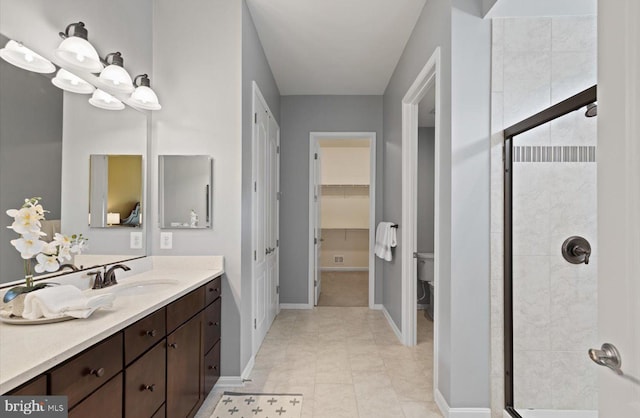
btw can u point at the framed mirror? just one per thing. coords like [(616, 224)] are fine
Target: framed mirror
[(115, 191), (186, 191)]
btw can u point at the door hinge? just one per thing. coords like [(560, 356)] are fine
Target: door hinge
[(255, 255), (278, 149), (277, 195), (277, 290), (255, 186), (315, 241), (255, 323), (315, 283), (277, 243), (255, 118), (315, 156)]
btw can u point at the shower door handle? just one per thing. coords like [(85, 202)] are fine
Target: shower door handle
[(608, 356)]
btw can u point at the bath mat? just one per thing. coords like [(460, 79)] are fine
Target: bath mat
[(258, 405)]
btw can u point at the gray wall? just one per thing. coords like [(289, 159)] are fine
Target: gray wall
[(426, 150), (254, 68), (30, 149), (463, 311), (301, 115)]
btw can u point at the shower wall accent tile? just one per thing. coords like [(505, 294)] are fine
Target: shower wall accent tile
[(575, 33), (527, 34), (554, 154), (573, 381), (532, 379)]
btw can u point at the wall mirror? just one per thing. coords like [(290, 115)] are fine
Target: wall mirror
[(115, 191), (186, 194), (46, 138)]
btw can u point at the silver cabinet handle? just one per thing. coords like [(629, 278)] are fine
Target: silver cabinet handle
[(608, 356)]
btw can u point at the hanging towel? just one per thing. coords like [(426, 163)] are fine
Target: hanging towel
[(385, 240), (59, 301)]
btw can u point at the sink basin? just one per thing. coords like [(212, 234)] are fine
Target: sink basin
[(139, 287)]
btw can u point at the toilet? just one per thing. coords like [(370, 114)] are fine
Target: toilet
[(425, 273)]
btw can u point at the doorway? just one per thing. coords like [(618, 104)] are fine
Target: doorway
[(342, 195)]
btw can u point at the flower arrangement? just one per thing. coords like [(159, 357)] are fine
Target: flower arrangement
[(47, 255)]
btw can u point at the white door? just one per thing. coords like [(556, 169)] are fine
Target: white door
[(619, 204), (317, 236), (265, 220)]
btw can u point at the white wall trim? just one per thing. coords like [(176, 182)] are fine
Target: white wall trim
[(229, 381), (392, 324), (344, 268), (296, 306), (248, 368), (377, 306), (449, 412), (428, 77), (371, 136)]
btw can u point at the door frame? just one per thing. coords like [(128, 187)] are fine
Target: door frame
[(428, 77), (257, 96), (313, 139)]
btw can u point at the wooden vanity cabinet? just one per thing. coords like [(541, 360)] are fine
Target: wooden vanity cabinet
[(105, 402), (144, 383), (34, 387), (212, 324)]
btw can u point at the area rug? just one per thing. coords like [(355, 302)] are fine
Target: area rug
[(258, 405)]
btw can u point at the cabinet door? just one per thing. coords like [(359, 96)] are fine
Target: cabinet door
[(212, 324), (37, 386), (106, 402), (213, 290), (143, 334), (144, 383), (211, 368), (184, 308), (184, 368)]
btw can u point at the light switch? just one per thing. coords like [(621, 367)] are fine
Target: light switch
[(135, 240), (166, 240)]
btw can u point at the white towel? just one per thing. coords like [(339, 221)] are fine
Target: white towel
[(59, 301), (385, 240)]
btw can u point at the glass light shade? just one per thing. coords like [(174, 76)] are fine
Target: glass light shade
[(117, 78), (79, 54), (145, 98), (70, 82), (19, 55), (104, 100)]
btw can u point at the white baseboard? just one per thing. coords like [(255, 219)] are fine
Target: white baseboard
[(392, 324), (344, 268), (248, 368), (295, 306), (449, 412), (377, 307), (230, 381)]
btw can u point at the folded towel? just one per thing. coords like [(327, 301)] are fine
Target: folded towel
[(59, 301), (385, 240)]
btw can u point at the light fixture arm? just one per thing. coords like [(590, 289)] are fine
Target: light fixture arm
[(78, 30), (144, 80)]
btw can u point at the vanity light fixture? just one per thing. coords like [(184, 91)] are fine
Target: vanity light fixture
[(70, 82), (115, 76), (143, 96), (76, 51), (19, 55), (104, 100)]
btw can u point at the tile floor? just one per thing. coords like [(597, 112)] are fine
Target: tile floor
[(344, 288), (347, 362)]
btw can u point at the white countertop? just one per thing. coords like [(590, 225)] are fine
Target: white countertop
[(27, 351)]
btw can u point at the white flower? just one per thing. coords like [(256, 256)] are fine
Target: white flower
[(62, 240), (50, 248), (26, 220), (79, 246), (28, 245), (64, 254), (46, 263)]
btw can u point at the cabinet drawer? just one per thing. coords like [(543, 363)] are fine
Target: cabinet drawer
[(144, 383), (184, 308), (37, 386), (91, 369), (213, 290), (212, 324), (211, 368), (106, 402), (161, 413), (143, 335)]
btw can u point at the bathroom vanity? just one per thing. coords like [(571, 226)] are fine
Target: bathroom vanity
[(154, 354)]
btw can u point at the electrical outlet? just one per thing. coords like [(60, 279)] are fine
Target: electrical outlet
[(166, 240), (338, 259), (135, 240)]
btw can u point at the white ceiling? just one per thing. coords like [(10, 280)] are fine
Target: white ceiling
[(334, 46)]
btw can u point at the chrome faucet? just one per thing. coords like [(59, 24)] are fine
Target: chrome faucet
[(110, 275)]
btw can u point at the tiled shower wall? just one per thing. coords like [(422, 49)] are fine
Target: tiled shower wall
[(537, 62)]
